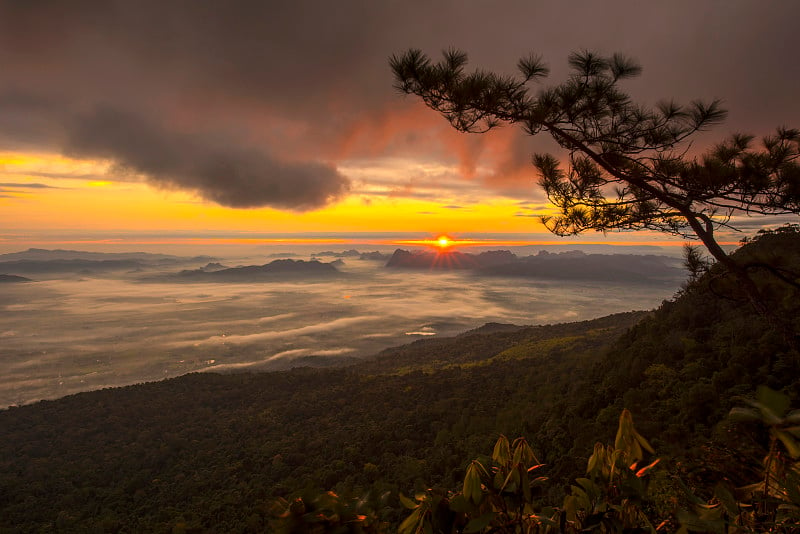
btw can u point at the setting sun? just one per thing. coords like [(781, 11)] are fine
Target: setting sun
[(442, 242)]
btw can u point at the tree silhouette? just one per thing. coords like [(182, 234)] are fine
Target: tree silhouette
[(628, 165)]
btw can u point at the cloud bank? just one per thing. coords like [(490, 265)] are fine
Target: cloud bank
[(227, 174), (254, 104)]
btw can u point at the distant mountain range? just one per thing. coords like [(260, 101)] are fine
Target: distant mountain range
[(449, 260), (42, 261), (571, 265), (69, 266), (40, 254), (352, 253), (250, 273)]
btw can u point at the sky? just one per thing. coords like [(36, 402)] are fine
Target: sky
[(252, 118)]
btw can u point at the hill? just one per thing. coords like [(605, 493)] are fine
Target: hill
[(276, 269), (569, 265), (40, 254), (48, 262), (210, 452), (69, 266)]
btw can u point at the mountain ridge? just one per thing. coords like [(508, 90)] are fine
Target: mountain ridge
[(568, 265)]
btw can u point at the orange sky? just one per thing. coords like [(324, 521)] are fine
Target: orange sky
[(85, 196), (46, 196), (260, 121)]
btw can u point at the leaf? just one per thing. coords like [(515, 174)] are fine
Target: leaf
[(792, 447), (586, 484), (518, 454), (472, 483), (526, 486), (643, 471), (533, 67), (409, 524), (479, 523), (579, 494), (502, 451), (408, 503), (571, 507), (625, 431), (775, 401), (497, 481), (766, 415), (740, 413), (511, 482), (523, 453), (594, 458), (643, 442)]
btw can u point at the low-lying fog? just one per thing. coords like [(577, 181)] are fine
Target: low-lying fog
[(66, 333)]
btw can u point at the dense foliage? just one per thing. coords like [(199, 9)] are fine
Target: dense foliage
[(212, 452), (617, 493), (208, 452)]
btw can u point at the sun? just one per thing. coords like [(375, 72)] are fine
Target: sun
[(442, 243)]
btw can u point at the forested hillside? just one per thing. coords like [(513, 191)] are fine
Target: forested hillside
[(208, 452), (212, 451)]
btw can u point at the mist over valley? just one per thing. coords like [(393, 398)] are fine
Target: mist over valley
[(87, 321)]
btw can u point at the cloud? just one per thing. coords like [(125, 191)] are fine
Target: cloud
[(526, 205), (229, 175), (748, 224), (254, 103), (287, 354), (265, 336), (64, 173), (216, 167), (28, 186)]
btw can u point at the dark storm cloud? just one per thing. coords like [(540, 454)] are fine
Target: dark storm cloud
[(253, 103), (229, 175)]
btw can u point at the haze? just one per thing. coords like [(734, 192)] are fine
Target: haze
[(69, 332)]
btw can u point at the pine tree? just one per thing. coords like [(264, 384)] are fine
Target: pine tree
[(627, 165)]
